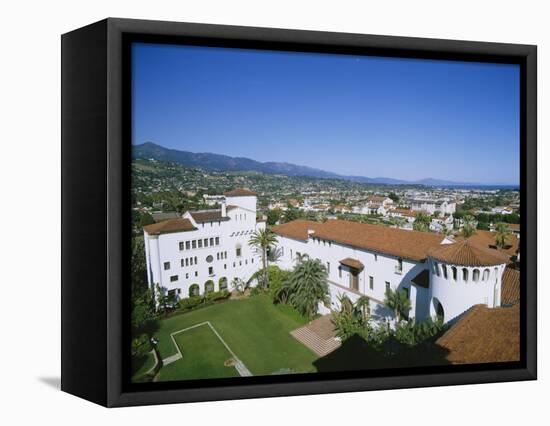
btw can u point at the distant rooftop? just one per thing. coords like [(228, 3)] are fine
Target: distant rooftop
[(170, 226), (240, 192), (213, 215)]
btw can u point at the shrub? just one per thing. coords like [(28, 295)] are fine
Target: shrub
[(255, 291), (141, 345), (191, 302), (413, 333), (217, 295)]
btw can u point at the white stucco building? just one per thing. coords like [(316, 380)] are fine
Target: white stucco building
[(442, 207), (204, 250), (440, 276)]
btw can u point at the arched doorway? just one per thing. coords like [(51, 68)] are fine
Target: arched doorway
[(438, 309), (194, 290), (223, 283), (208, 287)]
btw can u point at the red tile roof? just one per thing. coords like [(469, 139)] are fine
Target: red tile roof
[(396, 242), (510, 287), (240, 192), (464, 253), (486, 239), (200, 216), (484, 335), (412, 245), (297, 229), (169, 226)]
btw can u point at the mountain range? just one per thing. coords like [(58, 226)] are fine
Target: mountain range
[(225, 163)]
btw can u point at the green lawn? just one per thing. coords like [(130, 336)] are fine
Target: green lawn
[(145, 364), (256, 331), (194, 364)]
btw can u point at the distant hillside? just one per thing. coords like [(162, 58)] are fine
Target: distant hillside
[(225, 163)]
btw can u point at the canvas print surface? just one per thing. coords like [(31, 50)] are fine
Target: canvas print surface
[(307, 213)]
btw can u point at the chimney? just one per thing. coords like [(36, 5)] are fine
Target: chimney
[(224, 209)]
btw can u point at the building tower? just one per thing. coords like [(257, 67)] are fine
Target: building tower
[(463, 275)]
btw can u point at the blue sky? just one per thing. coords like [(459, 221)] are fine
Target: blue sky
[(355, 115)]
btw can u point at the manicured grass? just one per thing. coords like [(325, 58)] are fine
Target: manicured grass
[(196, 364), (145, 364), (256, 331)]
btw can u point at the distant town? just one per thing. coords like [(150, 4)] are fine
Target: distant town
[(164, 190)]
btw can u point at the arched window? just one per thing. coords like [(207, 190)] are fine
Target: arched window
[(208, 286), (223, 283), (194, 290), (464, 274), (485, 275), (476, 275), (455, 273), (437, 271), (444, 271)]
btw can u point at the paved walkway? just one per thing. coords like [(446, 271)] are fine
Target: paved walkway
[(318, 335), (239, 365)]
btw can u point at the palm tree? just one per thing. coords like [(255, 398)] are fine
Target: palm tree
[(308, 286), (501, 237), (398, 302), (263, 240), (421, 222), (469, 226), (362, 304)]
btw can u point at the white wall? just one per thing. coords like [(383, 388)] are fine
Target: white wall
[(380, 266), (30, 92), (232, 233), (457, 296)]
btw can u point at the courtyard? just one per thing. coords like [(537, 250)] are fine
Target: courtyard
[(211, 340)]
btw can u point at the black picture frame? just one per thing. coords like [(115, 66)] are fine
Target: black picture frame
[(95, 209)]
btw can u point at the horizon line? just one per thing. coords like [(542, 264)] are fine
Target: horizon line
[(339, 175)]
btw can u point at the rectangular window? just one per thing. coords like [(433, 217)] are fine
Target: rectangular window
[(173, 278), (187, 245), (217, 241), (388, 288), (196, 274), (399, 266), (328, 267), (210, 270), (182, 263), (166, 266), (206, 242), (371, 283), (194, 244), (200, 243), (181, 245), (186, 261), (340, 272), (375, 257), (238, 252), (225, 266), (354, 281), (195, 260), (187, 276), (211, 242)]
